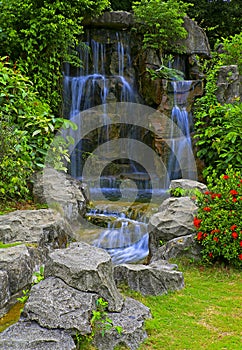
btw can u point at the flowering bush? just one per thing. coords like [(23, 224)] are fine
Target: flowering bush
[(219, 219)]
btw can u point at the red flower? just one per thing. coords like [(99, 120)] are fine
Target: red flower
[(211, 255), (205, 235), (240, 243), (233, 227), (233, 192), (199, 236), (225, 177), (207, 192), (207, 209), (240, 256), (240, 180), (197, 222), (234, 199), (215, 239), (216, 230), (214, 195), (234, 235)]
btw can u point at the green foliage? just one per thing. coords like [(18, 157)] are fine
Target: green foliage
[(218, 219), (219, 18), (232, 48), (100, 321), (218, 127), (181, 192), (27, 128), (166, 73), (124, 5), (41, 36), (161, 23), (37, 277)]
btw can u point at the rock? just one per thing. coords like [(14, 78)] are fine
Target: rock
[(178, 247), (62, 192), (44, 227), (86, 268), (30, 336), (187, 184), (18, 264), (174, 219), (228, 84), (4, 289), (54, 304), (196, 41), (154, 279), (131, 319), (113, 19)]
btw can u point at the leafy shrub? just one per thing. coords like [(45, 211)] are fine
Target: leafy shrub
[(42, 36), (218, 219), (161, 23), (232, 48), (26, 130), (124, 5)]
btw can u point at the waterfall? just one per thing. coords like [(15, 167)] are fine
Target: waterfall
[(180, 144)]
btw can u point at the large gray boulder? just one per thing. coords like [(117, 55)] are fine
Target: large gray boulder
[(54, 304), (19, 265), (131, 319), (154, 279), (88, 269), (178, 247), (45, 227), (174, 219), (62, 192), (30, 336)]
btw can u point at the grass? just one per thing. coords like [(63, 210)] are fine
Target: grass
[(205, 315)]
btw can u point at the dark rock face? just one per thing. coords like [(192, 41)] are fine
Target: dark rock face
[(153, 279), (228, 84), (87, 269), (114, 20), (30, 336)]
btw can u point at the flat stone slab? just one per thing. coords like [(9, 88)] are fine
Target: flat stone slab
[(155, 279), (88, 269), (30, 336), (131, 319), (54, 304)]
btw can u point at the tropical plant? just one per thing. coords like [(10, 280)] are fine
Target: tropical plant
[(161, 23), (41, 36), (27, 128), (218, 220)]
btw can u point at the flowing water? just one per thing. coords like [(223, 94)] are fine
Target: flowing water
[(101, 80)]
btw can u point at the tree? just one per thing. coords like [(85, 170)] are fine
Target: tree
[(41, 35), (219, 18)]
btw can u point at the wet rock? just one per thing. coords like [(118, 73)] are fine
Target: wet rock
[(178, 247), (87, 269), (30, 336), (131, 319), (174, 219), (154, 279), (45, 227), (54, 304), (62, 192), (113, 19)]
